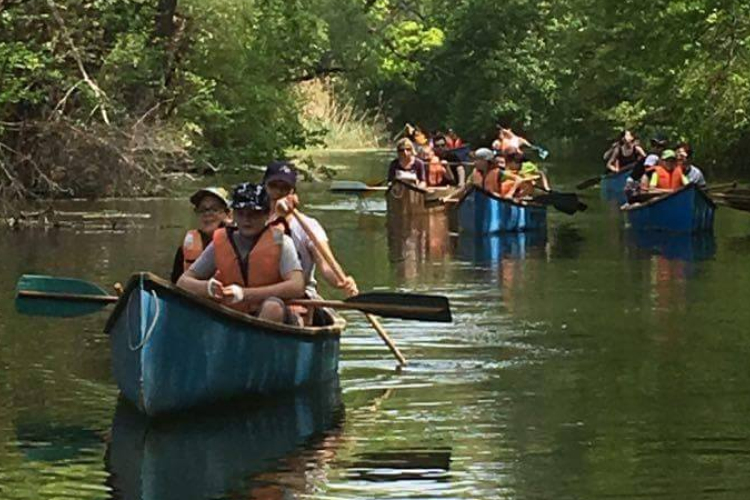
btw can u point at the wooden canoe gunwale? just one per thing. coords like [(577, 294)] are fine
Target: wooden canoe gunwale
[(429, 201), (154, 282)]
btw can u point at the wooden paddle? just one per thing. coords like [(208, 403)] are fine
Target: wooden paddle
[(39, 295), (355, 187), (341, 276)]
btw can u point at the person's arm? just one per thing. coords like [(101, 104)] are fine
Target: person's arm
[(195, 279), (612, 164), (349, 286), (545, 180), (292, 287)]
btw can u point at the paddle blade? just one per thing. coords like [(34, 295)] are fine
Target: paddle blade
[(404, 306), (589, 182), (38, 305), (567, 203)]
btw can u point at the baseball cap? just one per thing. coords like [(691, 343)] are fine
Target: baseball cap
[(280, 171), (651, 160), (218, 192), (250, 196), (668, 154), (484, 154)]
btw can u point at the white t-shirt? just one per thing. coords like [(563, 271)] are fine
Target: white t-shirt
[(305, 247)]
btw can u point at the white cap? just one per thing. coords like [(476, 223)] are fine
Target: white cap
[(484, 154), (651, 160)]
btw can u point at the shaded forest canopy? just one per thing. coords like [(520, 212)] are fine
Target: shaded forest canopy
[(100, 96)]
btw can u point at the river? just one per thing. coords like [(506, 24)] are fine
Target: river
[(583, 363)]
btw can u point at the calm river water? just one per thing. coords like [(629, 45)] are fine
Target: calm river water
[(583, 363)]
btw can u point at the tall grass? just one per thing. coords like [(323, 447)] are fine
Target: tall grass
[(338, 121)]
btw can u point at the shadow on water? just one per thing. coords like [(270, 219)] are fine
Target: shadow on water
[(266, 451)]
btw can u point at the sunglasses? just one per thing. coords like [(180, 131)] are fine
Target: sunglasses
[(403, 150)]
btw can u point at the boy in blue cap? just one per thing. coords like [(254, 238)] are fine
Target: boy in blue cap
[(253, 267)]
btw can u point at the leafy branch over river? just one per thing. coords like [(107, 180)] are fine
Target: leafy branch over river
[(99, 97)]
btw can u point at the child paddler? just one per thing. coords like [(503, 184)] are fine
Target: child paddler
[(280, 181), (252, 268), (211, 206)]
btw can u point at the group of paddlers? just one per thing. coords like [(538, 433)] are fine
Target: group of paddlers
[(662, 169), (433, 162), (254, 252)]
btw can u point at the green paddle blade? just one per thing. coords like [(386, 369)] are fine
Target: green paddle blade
[(404, 306), (38, 295)]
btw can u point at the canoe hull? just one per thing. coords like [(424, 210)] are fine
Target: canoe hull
[(687, 210), (406, 201), (171, 351), (613, 185), (480, 212)]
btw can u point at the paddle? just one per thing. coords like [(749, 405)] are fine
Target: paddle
[(543, 153), (567, 203), (39, 295), (596, 180), (391, 305), (341, 276), (355, 187)]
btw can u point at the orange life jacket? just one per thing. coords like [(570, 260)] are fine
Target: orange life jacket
[(192, 248), (489, 181), (435, 172), (453, 143), (262, 266), (668, 180)]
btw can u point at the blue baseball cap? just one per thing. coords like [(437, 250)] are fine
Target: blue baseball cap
[(280, 171)]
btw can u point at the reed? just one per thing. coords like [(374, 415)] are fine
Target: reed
[(338, 121)]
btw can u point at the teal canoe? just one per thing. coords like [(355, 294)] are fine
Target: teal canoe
[(172, 350)]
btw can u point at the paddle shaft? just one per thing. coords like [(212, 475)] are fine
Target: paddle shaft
[(363, 306), (67, 296), (341, 276)]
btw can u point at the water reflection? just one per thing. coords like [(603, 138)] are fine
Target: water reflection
[(414, 242), (270, 451), (492, 249), (673, 246)]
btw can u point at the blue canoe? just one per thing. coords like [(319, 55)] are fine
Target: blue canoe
[(613, 185), (687, 210), (172, 351), (481, 212)]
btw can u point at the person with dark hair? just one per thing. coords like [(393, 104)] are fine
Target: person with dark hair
[(627, 153), (452, 162), (252, 268), (684, 153)]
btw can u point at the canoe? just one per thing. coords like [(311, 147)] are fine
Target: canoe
[(481, 212), (686, 210), (173, 351), (613, 185), (227, 450), (407, 200)]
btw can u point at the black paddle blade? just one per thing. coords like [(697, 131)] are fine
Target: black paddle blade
[(589, 182), (404, 306), (567, 203)]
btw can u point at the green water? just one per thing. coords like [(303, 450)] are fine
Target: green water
[(583, 363)]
